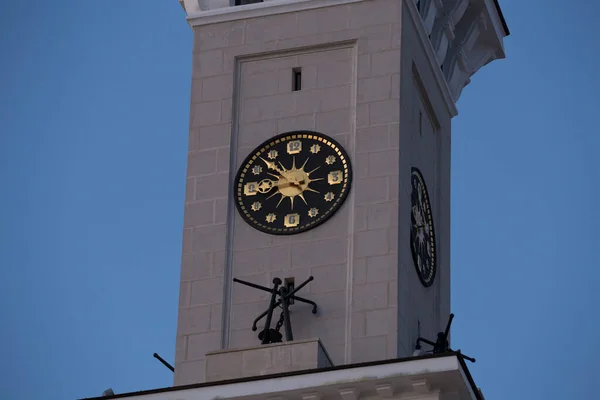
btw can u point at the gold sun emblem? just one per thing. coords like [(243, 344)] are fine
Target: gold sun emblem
[(256, 206), (330, 160), (293, 182)]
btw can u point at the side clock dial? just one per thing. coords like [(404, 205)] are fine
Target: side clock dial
[(292, 182), (422, 233)]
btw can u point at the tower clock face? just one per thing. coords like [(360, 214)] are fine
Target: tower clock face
[(422, 234), (292, 182)]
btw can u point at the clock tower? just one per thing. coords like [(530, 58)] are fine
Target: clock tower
[(319, 146)]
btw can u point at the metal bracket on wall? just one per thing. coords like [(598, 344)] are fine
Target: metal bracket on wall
[(269, 335), (162, 360), (441, 345)]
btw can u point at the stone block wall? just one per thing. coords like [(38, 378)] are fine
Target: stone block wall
[(266, 359), (358, 88)]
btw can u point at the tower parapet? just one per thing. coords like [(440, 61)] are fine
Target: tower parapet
[(465, 35)]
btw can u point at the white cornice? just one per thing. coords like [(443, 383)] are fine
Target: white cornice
[(450, 92), (274, 7), (496, 20), (458, 10), (446, 372), (449, 29), (431, 57)]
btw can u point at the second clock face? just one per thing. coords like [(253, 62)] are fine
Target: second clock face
[(293, 182), (422, 233)]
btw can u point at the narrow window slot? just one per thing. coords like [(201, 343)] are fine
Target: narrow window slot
[(296, 79), (244, 2)]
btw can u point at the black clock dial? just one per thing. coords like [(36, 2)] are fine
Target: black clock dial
[(292, 182), (422, 234)]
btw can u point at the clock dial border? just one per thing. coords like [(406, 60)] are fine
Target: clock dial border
[(290, 136), (426, 281)]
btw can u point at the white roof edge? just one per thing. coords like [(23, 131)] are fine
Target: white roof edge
[(431, 57), (312, 381), (494, 14), (226, 14), (467, 383)]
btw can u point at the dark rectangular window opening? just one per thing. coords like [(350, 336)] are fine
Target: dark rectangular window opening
[(296, 79), (244, 2)]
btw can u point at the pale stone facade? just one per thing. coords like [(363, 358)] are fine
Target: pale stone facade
[(266, 359), (382, 78), (371, 80)]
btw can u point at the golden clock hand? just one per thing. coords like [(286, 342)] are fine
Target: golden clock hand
[(283, 186), (285, 174), (273, 166)]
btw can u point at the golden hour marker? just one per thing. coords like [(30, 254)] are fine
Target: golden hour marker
[(313, 212), (250, 188), (294, 147), (291, 220), (329, 196), (256, 170), (315, 148), (272, 154), (335, 177), (330, 160), (256, 206), (271, 218)]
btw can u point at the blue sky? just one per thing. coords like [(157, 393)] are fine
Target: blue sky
[(94, 106)]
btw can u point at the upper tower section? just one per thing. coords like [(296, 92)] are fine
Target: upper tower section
[(464, 35), (319, 153)]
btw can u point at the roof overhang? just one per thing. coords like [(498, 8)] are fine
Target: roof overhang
[(502, 19), (435, 375)]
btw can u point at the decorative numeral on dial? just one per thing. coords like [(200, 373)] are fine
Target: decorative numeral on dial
[(294, 147), (329, 196), (291, 220), (313, 212), (335, 177), (251, 188), (256, 170), (271, 218), (272, 154), (330, 160)]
